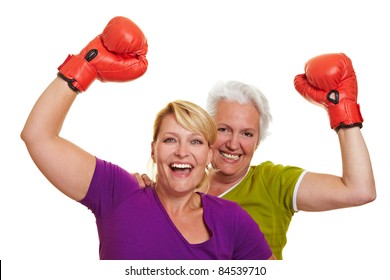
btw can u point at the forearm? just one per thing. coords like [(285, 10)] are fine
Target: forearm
[(118, 54), (65, 165), (48, 114), (357, 170)]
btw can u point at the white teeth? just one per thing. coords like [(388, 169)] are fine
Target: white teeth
[(229, 156), (180, 165)]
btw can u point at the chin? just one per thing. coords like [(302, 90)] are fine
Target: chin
[(227, 171)]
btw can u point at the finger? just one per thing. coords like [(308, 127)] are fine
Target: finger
[(147, 180), (139, 179)]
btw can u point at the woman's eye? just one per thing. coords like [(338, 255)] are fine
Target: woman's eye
[(222, 129), (196, 141), (248, 134), (169, 140)]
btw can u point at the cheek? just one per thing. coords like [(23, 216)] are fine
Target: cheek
[(221, 140), (159, 154), (249, 147)]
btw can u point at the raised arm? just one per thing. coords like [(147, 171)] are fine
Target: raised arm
[(65, 165), (118, 55), (330, 81)]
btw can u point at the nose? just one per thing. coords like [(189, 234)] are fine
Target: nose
[(182, 149), (233, 142)]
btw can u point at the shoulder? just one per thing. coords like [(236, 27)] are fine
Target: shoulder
[(107, 168), (110, 175), (267, 166), (268, 169), (104, 165), (110, 185)]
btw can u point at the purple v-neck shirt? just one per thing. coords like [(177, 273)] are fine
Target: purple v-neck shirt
[(133, 224)]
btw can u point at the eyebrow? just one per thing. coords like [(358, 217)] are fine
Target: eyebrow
[(247, 128), (192, 134)]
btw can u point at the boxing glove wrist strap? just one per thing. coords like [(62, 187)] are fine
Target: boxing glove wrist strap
[(78, 72), (360, 125), (69, 81), (345, 115)]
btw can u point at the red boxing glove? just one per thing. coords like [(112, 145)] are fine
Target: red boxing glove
[(330, 81), (116, 55)]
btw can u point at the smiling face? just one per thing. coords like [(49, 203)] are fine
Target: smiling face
[(238, 135), (181, 157)]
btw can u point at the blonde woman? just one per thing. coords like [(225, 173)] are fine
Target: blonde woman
[(170, 220)]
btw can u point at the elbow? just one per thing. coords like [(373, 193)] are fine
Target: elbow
[(29, 135), (26, 135), (34, 130), (371, 196), (366, 196)]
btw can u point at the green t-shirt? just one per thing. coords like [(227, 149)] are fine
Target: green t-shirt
[(267, 194)]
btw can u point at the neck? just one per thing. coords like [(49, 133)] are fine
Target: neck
[(174, 204), (220, 183)]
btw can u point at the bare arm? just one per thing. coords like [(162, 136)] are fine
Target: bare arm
[(330, 81), (320, 192), (65, 165)]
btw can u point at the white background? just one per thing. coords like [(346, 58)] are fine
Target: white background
[(192, 44)]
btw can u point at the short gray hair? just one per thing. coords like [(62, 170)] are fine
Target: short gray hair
[(243, 94)]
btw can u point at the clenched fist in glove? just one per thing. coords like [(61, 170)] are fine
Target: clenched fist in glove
[(330, 81), (116, 55)]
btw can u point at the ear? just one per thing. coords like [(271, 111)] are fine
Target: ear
[(152, 153)]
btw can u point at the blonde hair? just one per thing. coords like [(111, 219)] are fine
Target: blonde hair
[(193, 118)]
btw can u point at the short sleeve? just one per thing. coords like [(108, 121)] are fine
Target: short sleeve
[(110, 185)]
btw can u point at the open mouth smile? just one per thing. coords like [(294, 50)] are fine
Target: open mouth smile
[(181, 167), (230, 156)]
